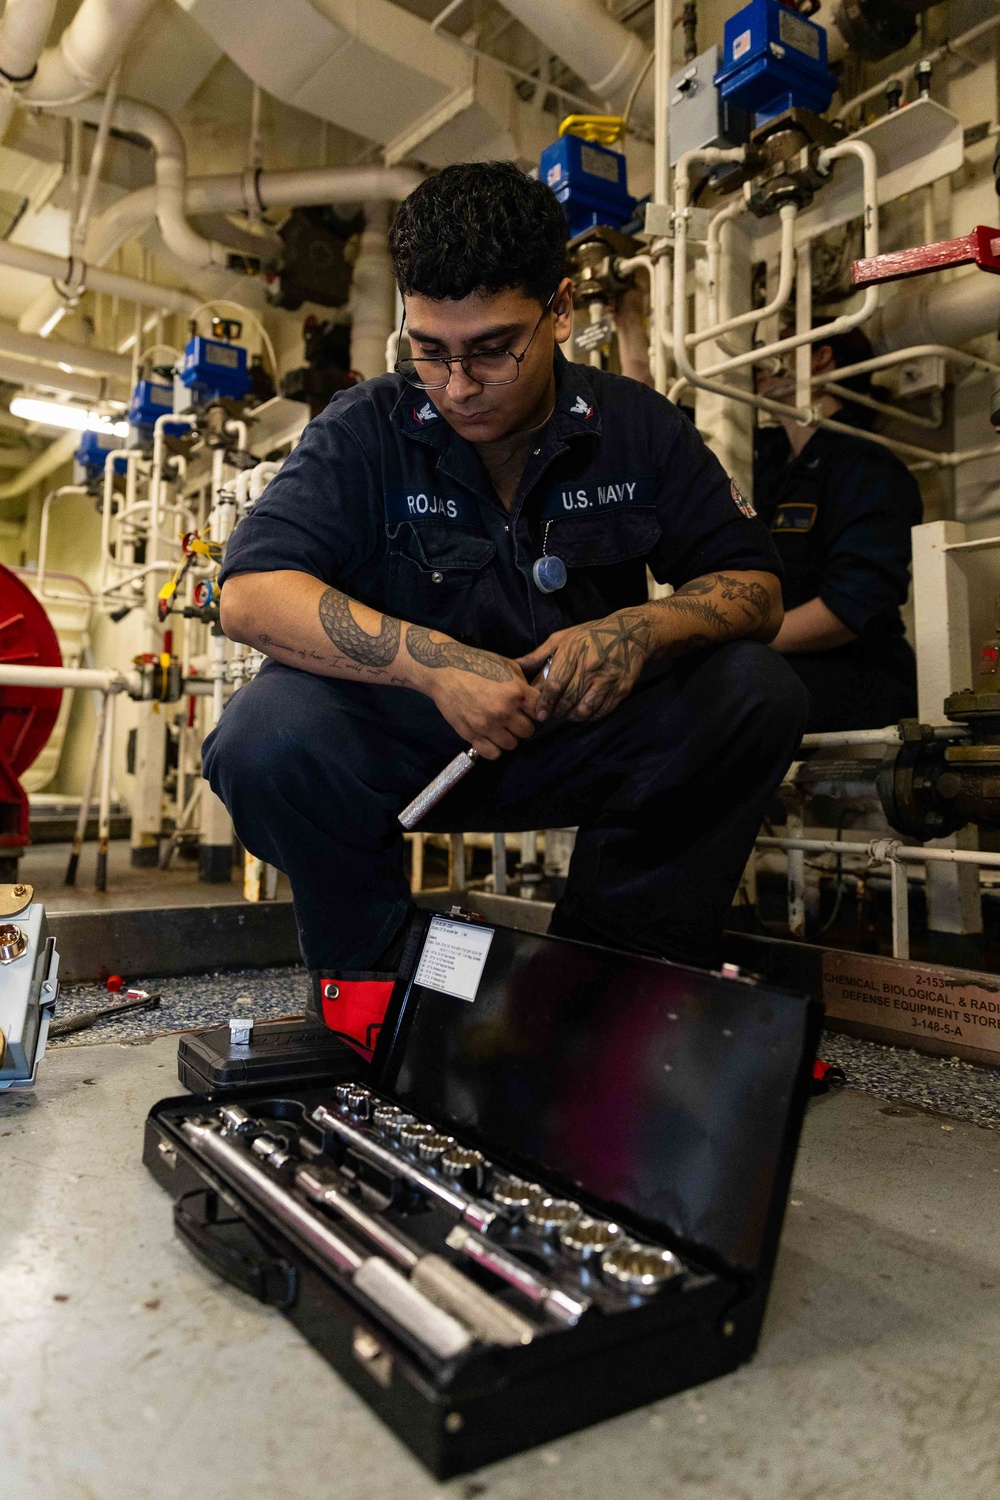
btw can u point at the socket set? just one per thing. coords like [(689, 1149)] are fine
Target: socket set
[(531, 1211)]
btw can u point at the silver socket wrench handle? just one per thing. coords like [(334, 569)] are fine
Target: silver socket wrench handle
[(553, 1299), (381, 1283), (436, 789), (442, 1282), (479, 1215)]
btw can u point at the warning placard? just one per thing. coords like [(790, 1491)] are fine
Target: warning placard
[(956, 1008), (454, 957)]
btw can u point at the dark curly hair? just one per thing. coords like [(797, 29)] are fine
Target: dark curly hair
[(479, 227)]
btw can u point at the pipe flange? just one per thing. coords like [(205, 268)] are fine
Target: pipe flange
[(13, 942)]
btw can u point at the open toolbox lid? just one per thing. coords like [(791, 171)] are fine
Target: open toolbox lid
[(671, 1093)]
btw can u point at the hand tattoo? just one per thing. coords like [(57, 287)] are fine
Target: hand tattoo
[(600, 663), (450, 653), (338, 621)]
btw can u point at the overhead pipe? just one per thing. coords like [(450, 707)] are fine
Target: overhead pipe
[(599, 49), (170, 170), (241, 192), (57, 352), (89, 388), (24, 28), (61, 269), (87, 52)]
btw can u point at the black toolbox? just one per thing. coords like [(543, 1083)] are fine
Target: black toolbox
[(638, 1121)]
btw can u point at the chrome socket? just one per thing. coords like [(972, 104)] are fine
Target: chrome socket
[(390, 1118), (433, 1147), (466, 1165), (586, 1239), (514, 1195), (549, 1215), (641, 1269), (411, 1135)]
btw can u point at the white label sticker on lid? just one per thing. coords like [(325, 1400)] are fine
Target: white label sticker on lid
[(741, 45), (454, 957)]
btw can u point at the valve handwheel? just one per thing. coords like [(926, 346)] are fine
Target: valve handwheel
[(27, 714)]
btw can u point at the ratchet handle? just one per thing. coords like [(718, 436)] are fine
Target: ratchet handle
[(436, 789)]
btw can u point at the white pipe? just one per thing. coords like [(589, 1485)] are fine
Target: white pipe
[(939, 312), (61, 269), (788, 213), (888, 736), (713, 252), (904, 74), (22, 372), (64, 677), (87, 52), (846, 321), (23, 32), (659, 311), (881, 850), (78, 237), (170, 169), (373, 294), (43, 530), (599, 49), (903, 356), (242, 192), (803, 322), (542, 85), (58, 352), (261, 477)]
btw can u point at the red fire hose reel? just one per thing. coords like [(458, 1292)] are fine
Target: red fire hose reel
[(27, 714)]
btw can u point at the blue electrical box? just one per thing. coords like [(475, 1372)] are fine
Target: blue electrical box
[(213, 369), (150, 400), (773, 60), (88, 460), (590, 182)]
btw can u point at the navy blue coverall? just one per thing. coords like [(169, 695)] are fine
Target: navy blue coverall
[(840, 514), (383, 500)]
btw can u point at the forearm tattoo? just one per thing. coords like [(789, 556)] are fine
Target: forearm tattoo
[(454, 654), (337, 619), (752, 597)]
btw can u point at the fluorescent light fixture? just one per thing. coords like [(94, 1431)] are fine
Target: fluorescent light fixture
[(59, 414), (52, 321)]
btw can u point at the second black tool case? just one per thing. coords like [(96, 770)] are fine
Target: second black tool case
[(547, 1090)]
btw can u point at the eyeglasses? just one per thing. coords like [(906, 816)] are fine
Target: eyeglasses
[(491, 367)]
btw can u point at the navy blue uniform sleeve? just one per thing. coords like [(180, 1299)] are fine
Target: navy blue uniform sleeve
[(866, 518), (318, 515), (708, 526)]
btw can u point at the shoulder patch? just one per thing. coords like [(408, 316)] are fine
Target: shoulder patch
[(794, 515), (743, 505)]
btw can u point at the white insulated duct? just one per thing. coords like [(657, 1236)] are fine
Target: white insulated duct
[(378, 70), (599, 49), (938, 312)]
